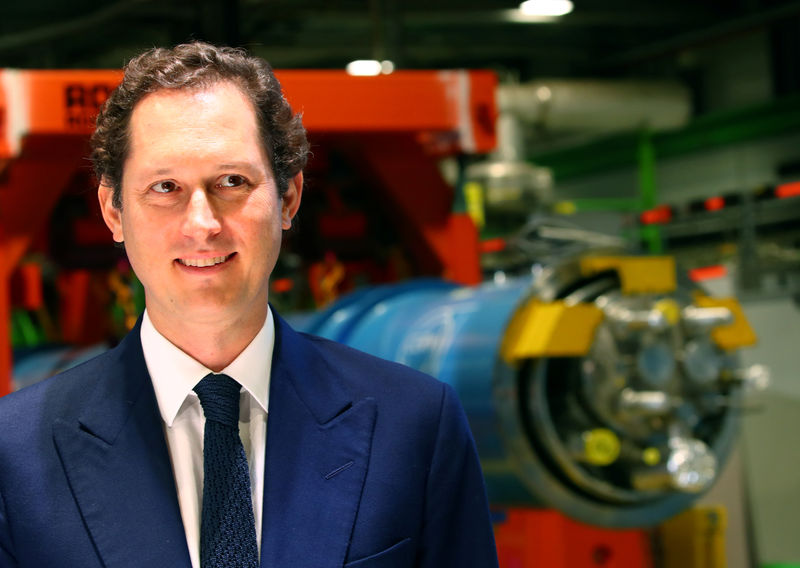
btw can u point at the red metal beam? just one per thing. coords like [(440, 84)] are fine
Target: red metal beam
[(49, 102), (461, 103)]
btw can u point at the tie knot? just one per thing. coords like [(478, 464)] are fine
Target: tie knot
[(219, 397)]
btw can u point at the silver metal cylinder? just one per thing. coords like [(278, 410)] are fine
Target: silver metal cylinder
[(703, 319), (649, 403)]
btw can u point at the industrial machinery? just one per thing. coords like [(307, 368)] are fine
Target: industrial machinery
[(600, 384)]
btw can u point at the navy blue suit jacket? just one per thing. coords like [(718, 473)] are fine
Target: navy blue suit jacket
[(368, 465)]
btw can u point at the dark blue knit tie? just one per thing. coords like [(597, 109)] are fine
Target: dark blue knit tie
[(227, 528)]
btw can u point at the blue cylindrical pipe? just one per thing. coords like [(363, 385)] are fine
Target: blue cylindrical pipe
[(452, 333)]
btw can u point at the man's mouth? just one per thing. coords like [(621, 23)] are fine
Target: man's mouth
[(204, 262)]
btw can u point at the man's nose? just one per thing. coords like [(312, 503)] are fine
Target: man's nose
[(202, 219)]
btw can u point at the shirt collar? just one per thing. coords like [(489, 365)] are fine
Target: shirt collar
[(174, 373)]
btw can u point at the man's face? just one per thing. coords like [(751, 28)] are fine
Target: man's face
[(200, 218)]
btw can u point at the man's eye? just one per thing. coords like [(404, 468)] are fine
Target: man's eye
[(164, 186), (231, 180)]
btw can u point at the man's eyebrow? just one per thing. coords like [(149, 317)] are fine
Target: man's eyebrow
[(236, 165), (225, 166)]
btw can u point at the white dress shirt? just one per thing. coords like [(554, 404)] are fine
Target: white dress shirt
[(174, 375)]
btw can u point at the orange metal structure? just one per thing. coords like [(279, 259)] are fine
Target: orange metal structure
[(542, 537), (395, 124)]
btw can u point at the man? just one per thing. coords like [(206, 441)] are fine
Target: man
[(350, 461)]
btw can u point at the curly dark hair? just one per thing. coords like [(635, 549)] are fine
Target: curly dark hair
[(197, 65)]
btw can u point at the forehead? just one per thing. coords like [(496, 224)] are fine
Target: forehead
[(221, 99), (205, 121)]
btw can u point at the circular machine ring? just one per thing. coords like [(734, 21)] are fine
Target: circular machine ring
[(541, 463)]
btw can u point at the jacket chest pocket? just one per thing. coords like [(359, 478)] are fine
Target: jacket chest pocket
[(400, 555)]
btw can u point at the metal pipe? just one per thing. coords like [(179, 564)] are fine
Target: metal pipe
[(703, 319), (650, 403), (594, 105)]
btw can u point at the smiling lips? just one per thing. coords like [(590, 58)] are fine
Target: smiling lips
[(204, 262)]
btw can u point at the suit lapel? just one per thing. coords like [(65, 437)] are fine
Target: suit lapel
[(116, 460), (318, 446)]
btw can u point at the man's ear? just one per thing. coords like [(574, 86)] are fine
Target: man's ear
[(290, 202), (111, 215)]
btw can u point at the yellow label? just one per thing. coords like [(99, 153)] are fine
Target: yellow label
[(473, 195), (565, 208), (601, 446), (651, 456)]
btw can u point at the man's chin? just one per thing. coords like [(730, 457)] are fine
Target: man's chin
[(215, 310)]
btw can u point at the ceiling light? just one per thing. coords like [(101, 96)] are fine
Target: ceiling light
[(369, 67), (546, 7)]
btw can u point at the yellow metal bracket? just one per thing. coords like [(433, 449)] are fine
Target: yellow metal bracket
[(550, 329), (695, 538), (637, 274), (734, 335)]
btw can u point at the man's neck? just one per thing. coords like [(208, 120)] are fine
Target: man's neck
[(214, 344)]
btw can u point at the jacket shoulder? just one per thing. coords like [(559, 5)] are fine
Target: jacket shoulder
[(369, 375), (57, 396)]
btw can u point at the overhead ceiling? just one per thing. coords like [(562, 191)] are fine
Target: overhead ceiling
[(601, 38)]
